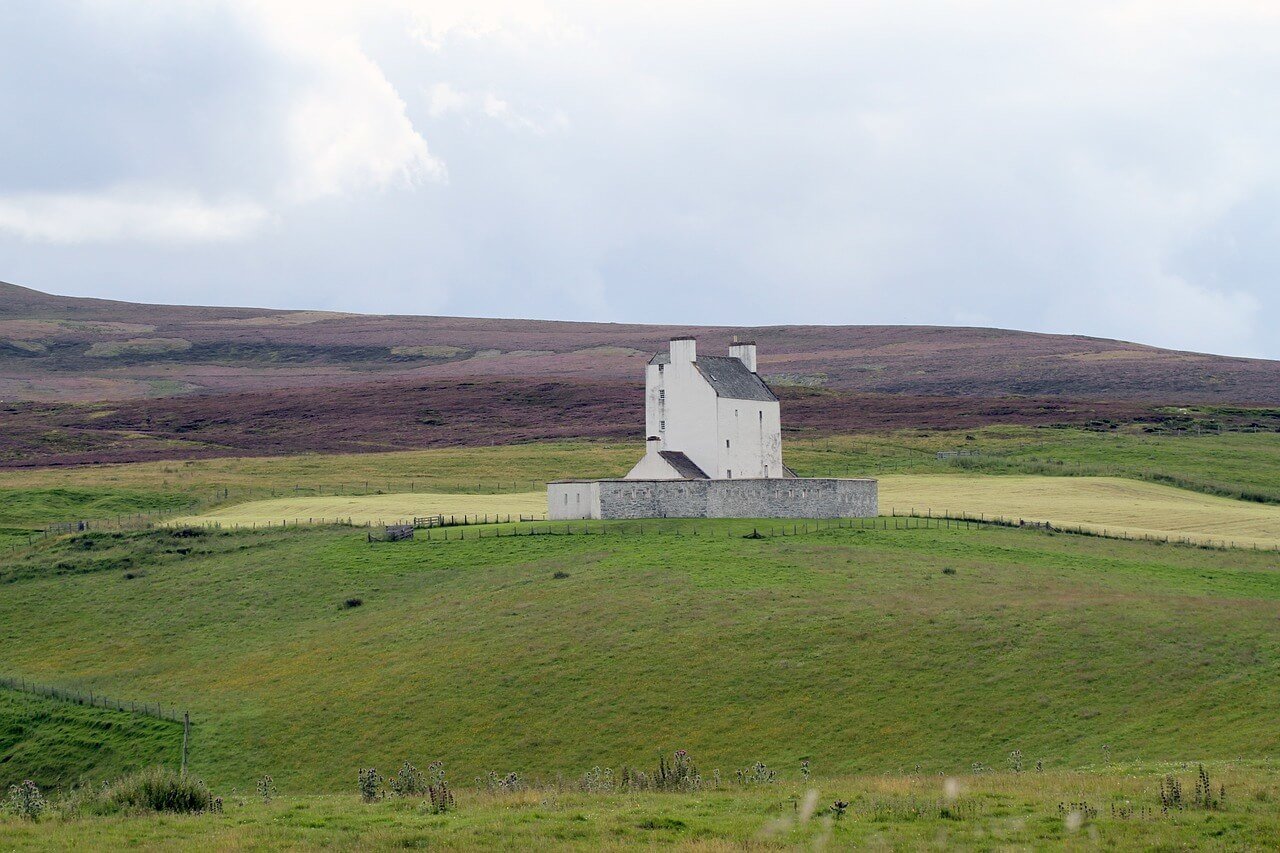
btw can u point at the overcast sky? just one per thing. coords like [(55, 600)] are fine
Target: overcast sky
[(1106, 168)]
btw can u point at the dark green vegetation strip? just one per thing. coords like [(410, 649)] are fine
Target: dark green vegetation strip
[(1234, 465), (39, 506), (854, 648), (57, 744)]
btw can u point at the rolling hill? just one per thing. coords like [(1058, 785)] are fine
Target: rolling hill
[(864, 650), (75, 349)]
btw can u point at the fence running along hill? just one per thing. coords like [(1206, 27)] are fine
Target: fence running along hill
[(96, 700)]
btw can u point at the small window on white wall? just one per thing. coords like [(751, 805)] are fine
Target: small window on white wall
[(566, 499), (662, 393), (726, 444), (729, 473), (662, 426)]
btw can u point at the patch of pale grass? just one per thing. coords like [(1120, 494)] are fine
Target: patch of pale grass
[(370, 509), (1097, 504)]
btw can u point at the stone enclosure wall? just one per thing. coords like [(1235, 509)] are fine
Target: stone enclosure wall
[(763, 498)]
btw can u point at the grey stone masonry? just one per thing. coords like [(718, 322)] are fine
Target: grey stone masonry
[(792, 497)]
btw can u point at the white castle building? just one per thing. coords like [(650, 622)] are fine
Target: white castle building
[(709, 417), (714, 450)]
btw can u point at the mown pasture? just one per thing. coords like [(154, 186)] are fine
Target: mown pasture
[(373, 509), (1103, 505)]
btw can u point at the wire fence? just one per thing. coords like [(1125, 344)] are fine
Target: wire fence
[(933, 519), (95, 700), (913, 519)]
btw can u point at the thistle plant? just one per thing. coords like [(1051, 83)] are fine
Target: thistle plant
[(25, 800), (757, 774), (370, 785), (438, 794), (409, 781), (1170, 794), (679, 774), (266, 789), (597, 780)]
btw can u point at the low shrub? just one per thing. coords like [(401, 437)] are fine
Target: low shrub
[(155, 789), (352, 602)]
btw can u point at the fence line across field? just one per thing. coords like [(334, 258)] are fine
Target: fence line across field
[(896, 519), (95, 700)]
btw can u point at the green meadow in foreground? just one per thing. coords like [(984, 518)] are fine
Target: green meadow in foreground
[(307, 654), (1116, 807)]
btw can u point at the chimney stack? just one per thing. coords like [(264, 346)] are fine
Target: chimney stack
[(684, 349), (653, 445), (744, 351)]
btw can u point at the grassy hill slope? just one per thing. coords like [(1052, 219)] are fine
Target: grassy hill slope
[(849, 647), (57, 744)]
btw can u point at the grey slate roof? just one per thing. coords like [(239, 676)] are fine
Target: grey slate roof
[(684, 466), (727, 375), (730, 378)]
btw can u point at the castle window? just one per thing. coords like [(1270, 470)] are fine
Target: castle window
[(726, 444), (662, 426), (729, 473), (662, 393)]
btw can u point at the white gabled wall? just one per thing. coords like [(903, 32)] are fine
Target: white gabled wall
[(652, 466), (680, 406), (683, 410)]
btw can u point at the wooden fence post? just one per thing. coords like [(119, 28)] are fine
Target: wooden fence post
[(186, 737)]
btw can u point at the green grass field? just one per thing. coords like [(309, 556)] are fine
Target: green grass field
[(888, 658), (58, 744), (849, 647), (1231, 464), (1112, 808)]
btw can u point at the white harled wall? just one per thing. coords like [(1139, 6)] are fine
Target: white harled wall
[(682, 409), (687, 409), (749, 439)]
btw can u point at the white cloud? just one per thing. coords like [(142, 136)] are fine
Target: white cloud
[(126, 214), (320, 120), (1094, 166)]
